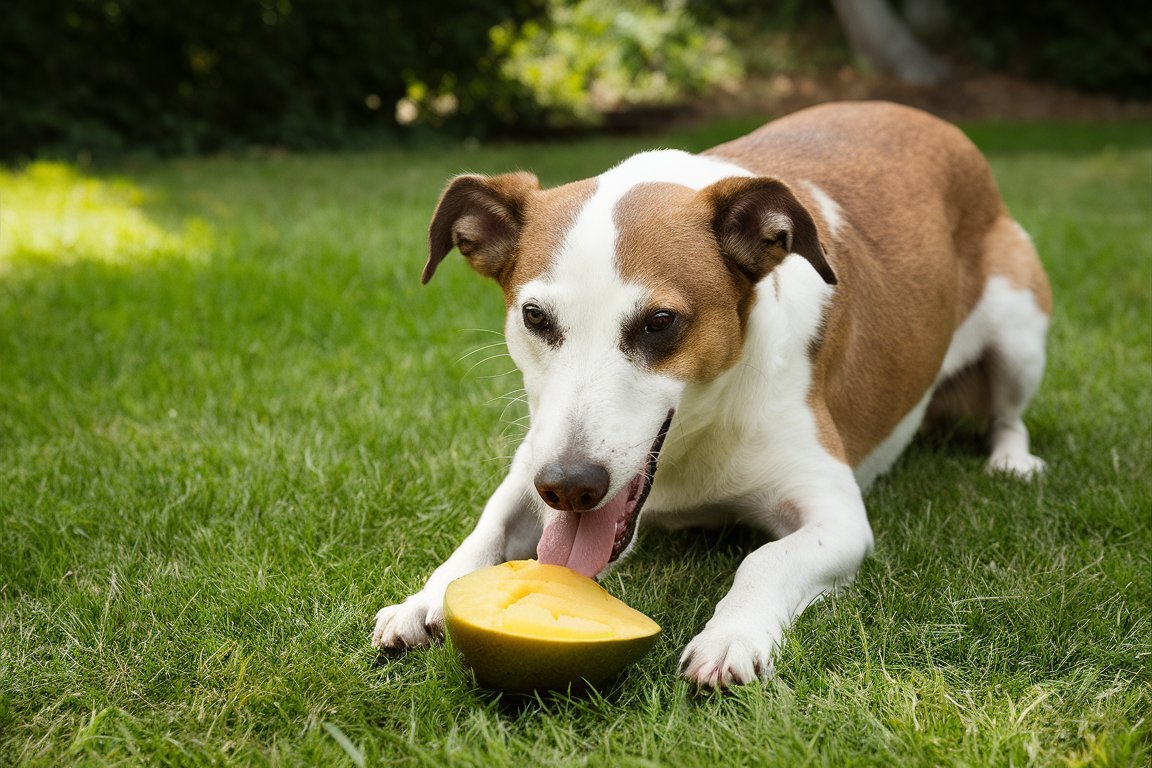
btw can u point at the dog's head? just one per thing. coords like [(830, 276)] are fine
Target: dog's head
[(620, 291)]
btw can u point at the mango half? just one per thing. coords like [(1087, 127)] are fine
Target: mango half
[(522, 626)]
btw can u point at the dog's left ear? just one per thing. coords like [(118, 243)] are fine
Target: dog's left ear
[(758, 222), (482, 217)]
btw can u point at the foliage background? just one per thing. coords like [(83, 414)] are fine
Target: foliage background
[(209, 74), (1105, 47), (104, 76)]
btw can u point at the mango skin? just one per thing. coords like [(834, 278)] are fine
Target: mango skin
[(519, 663)]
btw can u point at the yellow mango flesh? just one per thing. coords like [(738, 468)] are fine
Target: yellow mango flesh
[(523, 626)]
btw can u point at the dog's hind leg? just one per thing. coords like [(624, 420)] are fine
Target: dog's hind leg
[(1014, 375), (1019, 303)]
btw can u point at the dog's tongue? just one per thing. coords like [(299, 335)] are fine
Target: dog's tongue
[(583, 541)]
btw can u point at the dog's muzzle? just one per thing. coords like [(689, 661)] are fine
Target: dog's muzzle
[(581, 535)]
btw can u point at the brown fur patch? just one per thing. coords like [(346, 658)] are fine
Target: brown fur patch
[(549, 216), (665, 243)]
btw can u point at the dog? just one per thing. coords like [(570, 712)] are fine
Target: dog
[(748, 335)]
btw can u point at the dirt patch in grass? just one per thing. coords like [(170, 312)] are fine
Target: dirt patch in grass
[(965, 98), (975, 97)]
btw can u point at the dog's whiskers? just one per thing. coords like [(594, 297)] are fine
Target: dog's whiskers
[(639, 443), (481, 330), (500, 375), (485, 360), (510, 402), (515, 396), (479, 349), (520, 425)]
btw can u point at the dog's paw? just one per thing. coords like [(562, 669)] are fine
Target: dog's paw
[(723, 657), (410, 624), (1021, 464)]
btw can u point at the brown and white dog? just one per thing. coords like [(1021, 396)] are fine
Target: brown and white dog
[(770, 320)]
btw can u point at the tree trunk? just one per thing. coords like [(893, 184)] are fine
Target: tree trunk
[(883, 41)]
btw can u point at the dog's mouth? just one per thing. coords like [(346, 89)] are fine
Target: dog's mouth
[(588, 541)]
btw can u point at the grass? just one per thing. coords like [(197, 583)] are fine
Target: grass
[(232, 426)]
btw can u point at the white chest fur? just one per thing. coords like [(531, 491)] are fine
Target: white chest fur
[(743, 441)]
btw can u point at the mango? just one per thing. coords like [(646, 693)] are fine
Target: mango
[(522, 626)]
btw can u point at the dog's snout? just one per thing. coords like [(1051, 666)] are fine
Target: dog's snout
[(572, 486)]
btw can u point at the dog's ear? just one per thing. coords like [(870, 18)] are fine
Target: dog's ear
[(482, 217), (758, 222)]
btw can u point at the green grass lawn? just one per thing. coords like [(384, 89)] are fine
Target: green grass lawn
[(233, 425)]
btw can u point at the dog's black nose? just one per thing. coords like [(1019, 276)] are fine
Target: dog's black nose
[(572, 486)]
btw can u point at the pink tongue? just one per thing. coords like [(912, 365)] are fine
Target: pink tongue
[(583, 540)]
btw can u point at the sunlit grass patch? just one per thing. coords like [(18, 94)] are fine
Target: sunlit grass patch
[(52, 212)]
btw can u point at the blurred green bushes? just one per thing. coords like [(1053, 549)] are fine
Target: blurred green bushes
[(104, 76), (598, 57), (203, 75)]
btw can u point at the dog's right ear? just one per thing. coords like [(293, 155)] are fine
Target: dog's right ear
[(482, 217)]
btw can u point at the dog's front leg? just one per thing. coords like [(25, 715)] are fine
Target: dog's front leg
[(775, 583), (508, 529)]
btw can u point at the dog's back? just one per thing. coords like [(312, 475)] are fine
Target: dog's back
[(915, 228)]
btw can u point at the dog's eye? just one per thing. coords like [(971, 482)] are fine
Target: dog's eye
[(541, 324), (659, 321), (535, 318)]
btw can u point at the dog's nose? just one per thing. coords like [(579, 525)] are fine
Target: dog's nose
[(572, 486)]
